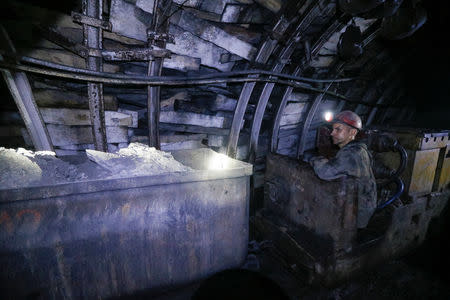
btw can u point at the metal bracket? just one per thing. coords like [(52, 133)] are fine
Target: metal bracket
[(83, 19), (143, 54), (165, 37), (135, 54)]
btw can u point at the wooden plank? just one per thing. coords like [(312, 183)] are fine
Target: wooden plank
[(288, 142), (65, 116), (22, 94), (216, 6), (272, 5), (133, 114), (294, 108), (208, 52), (182, 145), (67, 99), (185, 106), (242, 32), (222, 103), (205, 15), (77, 147), (182, 63), (66, 135), (83, 147), (217, 140), (39, 15), (209, 32), (175, 142), (299, 97), (61, 151), (189, 3), (193, 119), (124, 23), (168, 104), (231, 13), (322, 61), (193, 129), (173, 138), (176, 62), (291, 119)]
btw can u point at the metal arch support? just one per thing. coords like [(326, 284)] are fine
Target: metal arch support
[(238, 118), (279, 114), (262, 103), (92, 37), (262, 57), (310, 116), (336, 25), (312, 112)]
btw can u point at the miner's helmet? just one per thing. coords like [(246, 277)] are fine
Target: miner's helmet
[(349, 118)]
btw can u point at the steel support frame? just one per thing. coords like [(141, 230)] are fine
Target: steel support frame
[(337, 25), (263, 55), (155, 69), (92, 38)]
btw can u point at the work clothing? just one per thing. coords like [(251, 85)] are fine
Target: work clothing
[(355, 160)]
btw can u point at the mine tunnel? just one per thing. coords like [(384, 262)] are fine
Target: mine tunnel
[(227, 149)]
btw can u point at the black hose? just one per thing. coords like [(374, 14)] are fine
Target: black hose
[(400, 189), (158, 81), (60, 67), (403, 159)]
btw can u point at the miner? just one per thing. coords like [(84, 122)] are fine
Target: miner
[(353, 160)]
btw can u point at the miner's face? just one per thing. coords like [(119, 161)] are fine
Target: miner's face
[(342, 134)]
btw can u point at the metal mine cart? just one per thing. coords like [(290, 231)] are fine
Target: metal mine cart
[(312, 222), (104, 238)]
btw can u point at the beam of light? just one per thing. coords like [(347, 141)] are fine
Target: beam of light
[(218, 161), (328, 116)]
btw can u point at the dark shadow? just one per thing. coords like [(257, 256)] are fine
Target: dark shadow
[(238, 284)]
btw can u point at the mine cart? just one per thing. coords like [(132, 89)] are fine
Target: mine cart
[(107, 237), (312, 222)]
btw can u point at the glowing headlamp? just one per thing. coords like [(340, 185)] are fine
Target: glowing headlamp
[(328, 116)]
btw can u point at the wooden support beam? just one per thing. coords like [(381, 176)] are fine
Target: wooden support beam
[(209, 32), (69, 135), (189, 118), (66, 99), (22, 94), (193, 129), (64, 116), (176, 141), (131, 27)]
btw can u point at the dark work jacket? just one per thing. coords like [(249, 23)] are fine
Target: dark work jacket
[(354, 160)]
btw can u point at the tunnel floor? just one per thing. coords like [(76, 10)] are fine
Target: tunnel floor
[(396, 279)]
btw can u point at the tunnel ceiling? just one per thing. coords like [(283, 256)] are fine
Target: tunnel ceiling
[(386, 61)]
